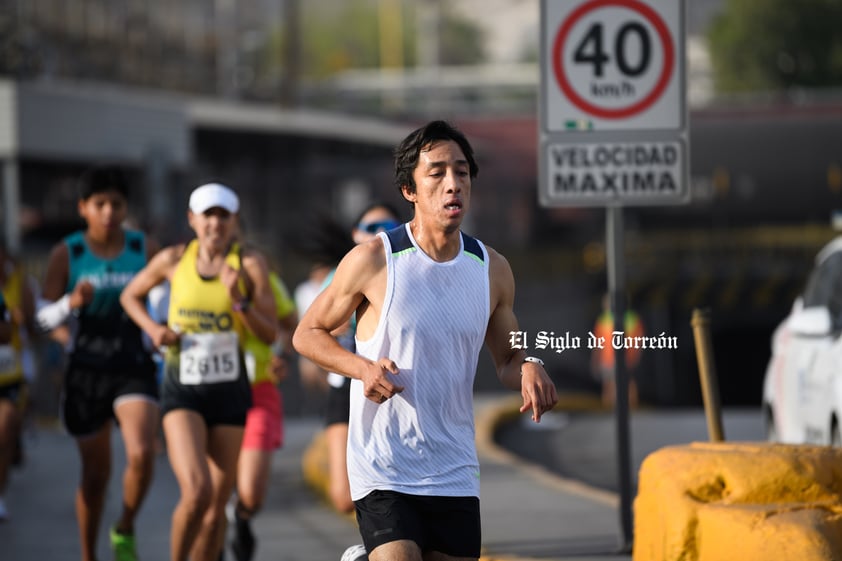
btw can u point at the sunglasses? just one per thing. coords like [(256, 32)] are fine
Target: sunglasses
[(380, 226)]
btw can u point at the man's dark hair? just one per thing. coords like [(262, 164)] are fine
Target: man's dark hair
[(407, 153), (101, 179)]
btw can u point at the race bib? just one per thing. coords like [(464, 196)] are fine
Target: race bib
[(209, 358), (8, 359)]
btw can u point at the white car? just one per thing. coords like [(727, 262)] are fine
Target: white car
[(802, 390)]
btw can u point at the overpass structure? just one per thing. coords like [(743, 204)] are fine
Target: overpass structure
[(51, 131)]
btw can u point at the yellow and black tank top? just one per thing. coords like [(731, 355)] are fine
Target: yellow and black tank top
[(258, 353), (11, 296), (202, 305)]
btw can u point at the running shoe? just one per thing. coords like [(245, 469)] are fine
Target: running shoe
[(355, 553), (4, 512), (243, 543), (123, 546)]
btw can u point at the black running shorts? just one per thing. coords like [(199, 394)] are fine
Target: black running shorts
[(338, 404), (225, 403), (16, 392), (89, 394), (449, 525)]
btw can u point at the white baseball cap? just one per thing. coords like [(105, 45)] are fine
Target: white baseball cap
[(213, 195)]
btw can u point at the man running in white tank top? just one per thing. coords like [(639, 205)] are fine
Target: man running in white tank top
[(426, 297)]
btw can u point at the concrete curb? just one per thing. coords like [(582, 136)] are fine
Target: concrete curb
[(498, 412), (490, 416)]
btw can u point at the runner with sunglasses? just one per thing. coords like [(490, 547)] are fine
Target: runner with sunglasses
[(375, 226), (377, 217)]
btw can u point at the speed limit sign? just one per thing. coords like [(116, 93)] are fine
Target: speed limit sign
[(613, 124), (612, 65)]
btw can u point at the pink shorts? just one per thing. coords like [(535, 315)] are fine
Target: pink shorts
[(265, 419)]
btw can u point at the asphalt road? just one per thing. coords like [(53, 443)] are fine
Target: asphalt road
[(582, 445), (524, 514), (293, 526)]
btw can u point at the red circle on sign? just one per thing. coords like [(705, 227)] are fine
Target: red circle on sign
[(663, 79)]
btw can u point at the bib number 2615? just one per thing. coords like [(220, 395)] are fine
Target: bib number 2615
[(209, 358)]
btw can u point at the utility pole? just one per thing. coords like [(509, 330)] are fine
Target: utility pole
[(390, 18), (226, 48), (291, 55), (428, 15)]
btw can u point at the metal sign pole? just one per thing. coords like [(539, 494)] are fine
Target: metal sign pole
[(10, 182), (613, 133), (617, 290)]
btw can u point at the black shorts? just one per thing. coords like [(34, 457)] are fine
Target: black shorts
[(449, 525), (89, 394), (225, 403), (338, 404), (16, 392)]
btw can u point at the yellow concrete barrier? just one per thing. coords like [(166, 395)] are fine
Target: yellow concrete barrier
[(314, 466), (748, 501)]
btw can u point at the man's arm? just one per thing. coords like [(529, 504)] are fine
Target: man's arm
[(58, 268), (538, 391), (24, 314), (56, 306), (353, 282)]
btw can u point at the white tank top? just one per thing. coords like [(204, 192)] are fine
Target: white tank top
[(432, 325)]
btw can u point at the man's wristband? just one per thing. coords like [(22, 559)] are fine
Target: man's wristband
[(534, 359), (242, 305)]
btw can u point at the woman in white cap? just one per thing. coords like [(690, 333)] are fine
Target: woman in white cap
[(218, 291)]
